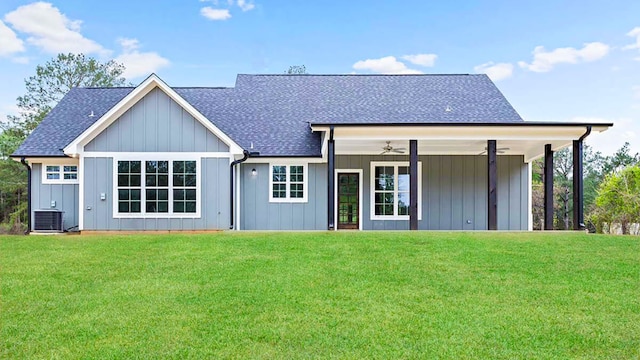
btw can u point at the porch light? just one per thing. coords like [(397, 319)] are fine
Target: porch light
[(254, 172)]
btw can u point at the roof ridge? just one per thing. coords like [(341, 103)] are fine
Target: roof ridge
[(356, 75)]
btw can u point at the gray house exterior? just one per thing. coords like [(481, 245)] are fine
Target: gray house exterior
[(293, 152)]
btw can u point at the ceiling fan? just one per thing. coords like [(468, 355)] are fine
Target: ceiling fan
[(498, 150), (389, 149)]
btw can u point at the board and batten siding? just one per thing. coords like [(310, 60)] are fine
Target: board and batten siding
[(64, 195), (156, 124), (257, 213), (454, 192), (98, 214)]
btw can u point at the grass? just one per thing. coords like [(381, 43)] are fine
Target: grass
[(328, 295)]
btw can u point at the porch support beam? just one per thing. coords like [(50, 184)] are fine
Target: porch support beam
[(548, 187), (331, 170), (578, 183), (413, 184), (492, 181), (578, 192)]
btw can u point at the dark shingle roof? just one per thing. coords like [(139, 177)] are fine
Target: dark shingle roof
[(273, 112), (69, 119)]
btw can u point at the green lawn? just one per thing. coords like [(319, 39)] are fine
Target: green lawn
[(329, 295)]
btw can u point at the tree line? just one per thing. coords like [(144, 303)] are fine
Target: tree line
[(611, 190)]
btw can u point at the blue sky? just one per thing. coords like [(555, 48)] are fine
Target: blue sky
[(553, 60)]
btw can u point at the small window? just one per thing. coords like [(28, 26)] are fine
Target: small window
[(288, 183), (60, 174)]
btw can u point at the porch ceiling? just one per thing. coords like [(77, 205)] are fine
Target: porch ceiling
[(530, 149), (528, 141)]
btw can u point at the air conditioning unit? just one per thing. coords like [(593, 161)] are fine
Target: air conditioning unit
[(47, 220)]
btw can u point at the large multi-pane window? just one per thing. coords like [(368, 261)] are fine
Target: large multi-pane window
[(390, 190), (288, 183), (156, 187)]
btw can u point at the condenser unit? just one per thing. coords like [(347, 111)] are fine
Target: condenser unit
[(47, 220)]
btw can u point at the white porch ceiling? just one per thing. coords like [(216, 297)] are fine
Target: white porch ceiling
[(528, 141)]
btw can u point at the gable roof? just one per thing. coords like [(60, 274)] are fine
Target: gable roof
[(274, 112)]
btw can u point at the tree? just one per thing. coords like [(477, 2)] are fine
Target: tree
[(562, 188), (618, 198), (296, 70), (620, 159), (43, 91), (54, 79)]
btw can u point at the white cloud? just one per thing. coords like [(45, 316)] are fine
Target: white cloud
[(385, 65), (215, 14), (50, 30), (245, 6), (427, 60), (21, 60), (139, 63), (624, 130), (496, 72), (636, 34), (544, 61), (9, 41)]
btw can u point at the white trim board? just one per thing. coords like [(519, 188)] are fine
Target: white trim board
[(360, 195), (76, 147), (148, 155)]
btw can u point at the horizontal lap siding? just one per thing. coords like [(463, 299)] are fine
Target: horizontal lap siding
[(454, 192), (98, 214), (257, 213), (65, 196), (156, 124)]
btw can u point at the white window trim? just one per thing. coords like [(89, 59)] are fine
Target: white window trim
[(143, 195), (288, 199), (61, 180), (372, 193)]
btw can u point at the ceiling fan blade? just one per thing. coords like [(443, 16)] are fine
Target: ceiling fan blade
[(483, 153), (399, 151), (384, 152)]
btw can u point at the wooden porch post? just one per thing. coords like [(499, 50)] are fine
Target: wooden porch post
[(413, 184), (492, 181), (548, 187), (331, 179), (578, 190)]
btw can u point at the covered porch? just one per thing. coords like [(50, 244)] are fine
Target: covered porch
[(488, 182)]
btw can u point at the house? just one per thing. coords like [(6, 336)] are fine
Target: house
[(294, 152)]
